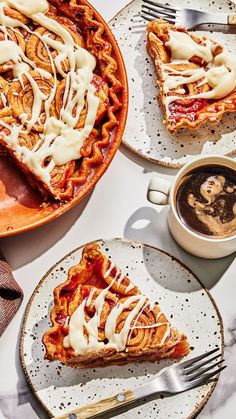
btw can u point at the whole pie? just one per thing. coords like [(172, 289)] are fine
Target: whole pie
[(196, 76), (59, 92), (101, 318)]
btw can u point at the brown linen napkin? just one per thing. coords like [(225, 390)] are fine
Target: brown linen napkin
[(11, 295)]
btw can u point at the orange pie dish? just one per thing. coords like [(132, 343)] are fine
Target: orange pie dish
[(196, 76), (101, 318), (63, 107)]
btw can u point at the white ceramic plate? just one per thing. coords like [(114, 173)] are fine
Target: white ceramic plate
[(145, 133), (162, 278)]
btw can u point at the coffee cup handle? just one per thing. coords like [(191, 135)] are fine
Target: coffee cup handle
[(158, 191)]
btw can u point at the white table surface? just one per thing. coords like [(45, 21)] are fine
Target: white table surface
[(117, 207)]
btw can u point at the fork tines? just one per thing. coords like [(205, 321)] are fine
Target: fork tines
[(152, 10), (194, 372)]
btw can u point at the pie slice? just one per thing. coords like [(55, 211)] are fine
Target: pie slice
[(196, 76), (101, 318)]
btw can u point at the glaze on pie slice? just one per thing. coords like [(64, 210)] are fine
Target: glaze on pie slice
[(101, 318), (58, 92), (196, 76)]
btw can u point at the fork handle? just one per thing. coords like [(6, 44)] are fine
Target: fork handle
[(232, 19), (94, 409)]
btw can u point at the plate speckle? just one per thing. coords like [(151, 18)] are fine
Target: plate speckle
[(163, 279), (145, 133)]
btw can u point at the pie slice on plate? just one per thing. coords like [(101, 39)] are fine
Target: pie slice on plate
[(101, 318), (196, 76)]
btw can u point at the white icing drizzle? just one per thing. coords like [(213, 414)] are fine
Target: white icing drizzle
[(120, 278), (90, 297), (27, 7), (220, 73), (171, 83), (67, 321), (39, 97), (159, 315), (129, 287), (81, 344), (140, 313), (4, 99), (150, 326), (183, 47), (118, 340), (9, 50), (61, 140), (78, 322), (107, 273), (166, 334), (20, 68), (136, 320)]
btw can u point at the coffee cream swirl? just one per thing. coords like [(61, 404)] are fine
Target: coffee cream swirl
[(219, 72), (206, 201), (60, 141), (212, 190), (126, 311)]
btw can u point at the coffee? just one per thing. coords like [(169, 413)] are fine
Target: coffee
[(206, 201)]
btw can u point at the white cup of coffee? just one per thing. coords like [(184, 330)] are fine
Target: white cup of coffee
[(202, 206)]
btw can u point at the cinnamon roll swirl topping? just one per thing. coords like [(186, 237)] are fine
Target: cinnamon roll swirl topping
[(72, 62), (108, 319)]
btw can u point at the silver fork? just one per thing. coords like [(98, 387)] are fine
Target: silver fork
[(174, 379), (184, 17)]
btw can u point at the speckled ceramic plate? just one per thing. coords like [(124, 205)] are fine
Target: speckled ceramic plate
[(162, 278), (145, 133)]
